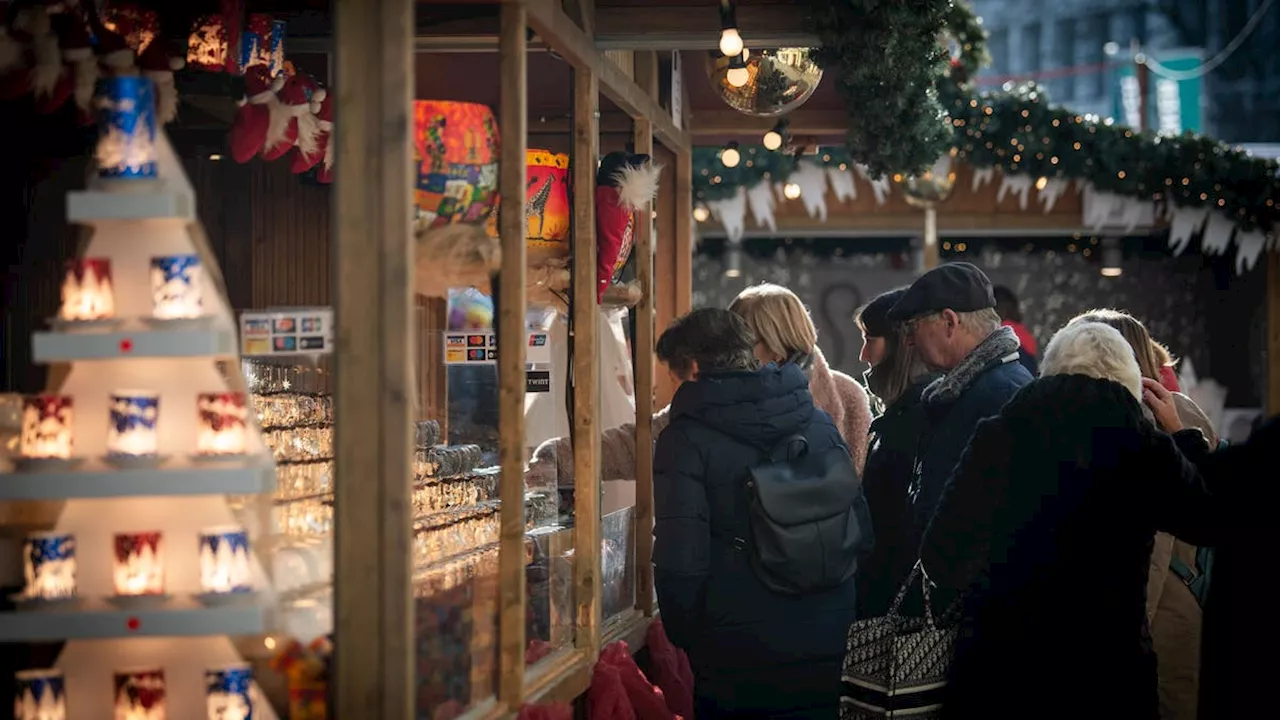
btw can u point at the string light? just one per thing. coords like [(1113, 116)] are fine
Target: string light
[(729, 156), (730, 41), (774, 138), (701, 213), (791, 191), (738, 75)]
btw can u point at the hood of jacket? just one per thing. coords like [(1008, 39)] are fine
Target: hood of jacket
[(759, 408)]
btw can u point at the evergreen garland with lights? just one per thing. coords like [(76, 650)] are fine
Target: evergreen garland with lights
[(1016, 130)]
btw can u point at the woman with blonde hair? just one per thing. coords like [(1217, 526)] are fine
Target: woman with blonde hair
[(785, 334), (1178, 574)]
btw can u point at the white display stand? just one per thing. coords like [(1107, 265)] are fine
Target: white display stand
[(179, 498)]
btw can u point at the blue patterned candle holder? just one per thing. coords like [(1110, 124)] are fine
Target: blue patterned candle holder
[(224, 561), (135, 415), (228, 692), (176, 287), (262, 43), (126, 129), (40, 695), (49, 563)]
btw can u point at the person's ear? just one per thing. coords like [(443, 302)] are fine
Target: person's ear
[(693, 369), (951, 320)]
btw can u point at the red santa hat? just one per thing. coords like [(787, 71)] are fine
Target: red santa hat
[(77, 53), (304, 161), (159, 66), (292, 122), (34, 26), (114, 53), (625, 182), (249, 129)]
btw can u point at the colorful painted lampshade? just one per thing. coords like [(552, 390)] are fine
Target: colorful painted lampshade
[(456, 152), (137, 25), (87, 290), (47, 426), (134, 417), (224, 560), (140, 694), (49, 563), (40, 695), (228, 692), (223, 426), (208, 44), (177, 287), (126, 128), (262, 43), (546, 204), (139, 564)]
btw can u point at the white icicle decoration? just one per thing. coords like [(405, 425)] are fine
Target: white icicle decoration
[(731, 213), (1249, 245), (763, 205), (1019, 185), (1217, 234), (1054, 188), (1185, 223), (813, 189), (982, 176), (879, 186), (842, 183)]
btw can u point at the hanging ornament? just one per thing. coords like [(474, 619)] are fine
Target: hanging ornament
[(931, 187), (249, 129), (625, 184), (778, 81)]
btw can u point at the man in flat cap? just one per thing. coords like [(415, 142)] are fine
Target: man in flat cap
[(949, 315)]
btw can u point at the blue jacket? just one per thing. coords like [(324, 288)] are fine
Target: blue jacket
[(753, 651)]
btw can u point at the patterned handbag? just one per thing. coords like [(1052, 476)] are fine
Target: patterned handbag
[(896, 666)]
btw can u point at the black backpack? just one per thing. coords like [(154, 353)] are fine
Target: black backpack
[(806, 515)]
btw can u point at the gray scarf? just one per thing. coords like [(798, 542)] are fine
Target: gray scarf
[(946, 389)]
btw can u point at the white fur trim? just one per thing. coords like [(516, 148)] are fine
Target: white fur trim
[(119, 59), (86, 74), (300, 110), (319, 95), (278, 117), (328, 154), (637, 185), (177, 63), (277, 83), (308, 134), (262, 98), (326, 125), (166, 96), (48, 69), (75, 55)]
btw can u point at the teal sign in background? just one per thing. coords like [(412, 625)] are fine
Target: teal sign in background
[(1189, 91)]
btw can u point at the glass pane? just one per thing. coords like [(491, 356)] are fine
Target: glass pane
[(618, 562)]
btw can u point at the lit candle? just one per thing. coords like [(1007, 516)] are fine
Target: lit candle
[(87, 292), (46, 426), (140, 694), (49, 562), (139, 568), (134, 416), (228, 692), (40, 695), (222, 423), (176, 290), (224, 560), (126, 128)]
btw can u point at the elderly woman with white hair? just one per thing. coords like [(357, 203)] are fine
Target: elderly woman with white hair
[(1044, 534)]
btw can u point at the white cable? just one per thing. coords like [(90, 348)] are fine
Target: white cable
[(1213, 63)]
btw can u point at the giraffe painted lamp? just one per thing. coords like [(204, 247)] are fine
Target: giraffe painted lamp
[(546, 206)]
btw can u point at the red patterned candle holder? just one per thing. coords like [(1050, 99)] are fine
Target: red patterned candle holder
[(137, 25), (223, 424), (140, 694), (87, 291), (47, 427), (139, 564)]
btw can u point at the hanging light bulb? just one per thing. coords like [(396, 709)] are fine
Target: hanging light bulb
[(701, 213), (733, 261), (730, 40), (737, 75), (730, 156), (774, 138), (791, 191), (1112, 257)]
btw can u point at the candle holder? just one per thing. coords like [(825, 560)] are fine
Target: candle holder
[(126, 130), (228, 692), (47, 438), (132, 439), (140, 694), (224, 562), (262, 43), (139, 566), (40, 695), (176, 288), (49, 563), (88, 295), (223, 429)]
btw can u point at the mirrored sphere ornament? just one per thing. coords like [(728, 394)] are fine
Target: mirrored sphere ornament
[(778, 82), (932, 186)]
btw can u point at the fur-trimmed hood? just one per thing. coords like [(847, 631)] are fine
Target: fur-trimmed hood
[(1000, 346)]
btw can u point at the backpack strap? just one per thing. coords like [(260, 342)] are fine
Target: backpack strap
[(1196, 579)]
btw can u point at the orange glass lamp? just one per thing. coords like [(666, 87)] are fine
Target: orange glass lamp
[(546, 206), (456, 147)]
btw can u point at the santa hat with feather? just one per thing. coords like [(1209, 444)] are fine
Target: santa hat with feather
[(625, 182), (293, 122), (158, 65), (33, 26), (249, 129)]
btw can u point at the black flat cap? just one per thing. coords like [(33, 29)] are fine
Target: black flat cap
[(957, 286)]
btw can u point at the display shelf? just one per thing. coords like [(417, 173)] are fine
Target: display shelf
[(97, 619), (95, 479), (162, 203), (213, 342)]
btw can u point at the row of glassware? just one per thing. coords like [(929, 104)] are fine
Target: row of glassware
[(49, 563), (48, 424), (139, 694), (177, 289)]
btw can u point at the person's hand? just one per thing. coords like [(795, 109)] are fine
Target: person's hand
[(1160, 400)]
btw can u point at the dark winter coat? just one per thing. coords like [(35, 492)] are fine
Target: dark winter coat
[(894, 439), (1047, 527), (975, 389), (755, 653)]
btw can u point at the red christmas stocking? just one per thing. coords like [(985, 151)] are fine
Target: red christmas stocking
[(249, 129)]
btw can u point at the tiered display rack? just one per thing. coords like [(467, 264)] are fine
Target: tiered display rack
[(178, 498)]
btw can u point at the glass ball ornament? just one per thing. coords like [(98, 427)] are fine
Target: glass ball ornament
[(932, 186), (778, 81)]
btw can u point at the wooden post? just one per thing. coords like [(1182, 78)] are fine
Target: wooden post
[(374, 366), (586, 366), (684, 231), (664, 267), (643, 139), (512, 337), (1273, 332)]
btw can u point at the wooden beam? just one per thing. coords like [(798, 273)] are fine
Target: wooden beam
[(697, 27), (664, 267), (612, 123), (586, 367), (513, 84), (566, 38), (684, 232), (1273, 332), (800, 122), (373, 201), (643, 140)]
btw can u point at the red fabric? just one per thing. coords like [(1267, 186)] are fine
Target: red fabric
[(248, 131), (550, 711), (537, 650), (671, 670), (646, 698), (1025, 338), (607, 696), (1169, 379), (614, 227)]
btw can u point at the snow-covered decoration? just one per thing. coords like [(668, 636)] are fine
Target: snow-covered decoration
[(224, 560), (763, 205), (176, 287), (49, 564), (1217, 234), (139, 564), (1104, 210), (87, 292), (126, 129), (134, 417), (128, 153), (1054, 188), (879, 185), (223, 428), (842, 184), (140, 695), (1249, 245), (982, 176), (47, 426), (812, 181), (731, 213), (1019, 185), (40, 695)]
